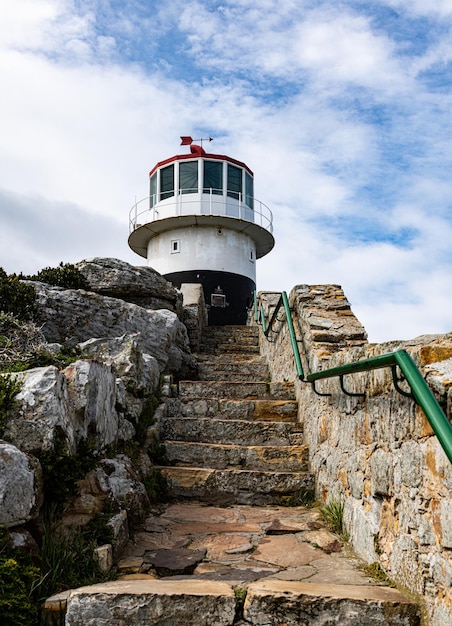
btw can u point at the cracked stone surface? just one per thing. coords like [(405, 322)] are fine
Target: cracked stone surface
[(241, 544)]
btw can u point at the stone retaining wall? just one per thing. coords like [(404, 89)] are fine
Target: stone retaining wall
[(377, 454)]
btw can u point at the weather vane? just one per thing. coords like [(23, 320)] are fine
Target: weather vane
[(187, 141)]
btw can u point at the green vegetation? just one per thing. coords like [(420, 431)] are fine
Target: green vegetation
[(41, 357), (61, 471), (302, 497), (156, 451), (333, 514), (18, 576), (375, 571), (240, 597), (156, 486), (65, 275), (22, 344), (146, 418), (9, 388), (16, 297), (68, 560)]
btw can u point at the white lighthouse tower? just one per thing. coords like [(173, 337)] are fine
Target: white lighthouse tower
[(202, 224)]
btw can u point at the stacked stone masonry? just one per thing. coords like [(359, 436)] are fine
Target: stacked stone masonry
[(378, 453)]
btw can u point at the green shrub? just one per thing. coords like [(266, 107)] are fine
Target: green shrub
[(98, 530), (42, 358), (304, 496), (20, 342), (9, 388), (146, 418), (18, 575), (65, 275), (156, 486), (61, 471), (68, 560), (17, 297)]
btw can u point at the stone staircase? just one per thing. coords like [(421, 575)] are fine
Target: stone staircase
[(227, 552), (233, 436)]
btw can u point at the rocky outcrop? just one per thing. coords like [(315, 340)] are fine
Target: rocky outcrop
[(43, 412), (92, 390), (74, 316), (125, 346), (132, 365), (137, 285), (20, 486)]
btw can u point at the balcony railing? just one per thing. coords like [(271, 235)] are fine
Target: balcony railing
[(207, 202)]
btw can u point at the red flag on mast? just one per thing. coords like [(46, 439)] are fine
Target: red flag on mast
[(186, 141)]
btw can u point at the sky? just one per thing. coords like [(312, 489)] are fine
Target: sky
[(342, 109)]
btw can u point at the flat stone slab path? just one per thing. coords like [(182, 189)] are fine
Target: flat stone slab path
[(239, 544)]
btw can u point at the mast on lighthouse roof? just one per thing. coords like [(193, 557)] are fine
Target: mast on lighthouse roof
[(202, 224)]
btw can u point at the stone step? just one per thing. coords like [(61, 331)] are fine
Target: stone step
[(225, 348), (227, 456), (262, 410), (232, 486), (199, 602), (234, 373), (297, 603), (239, 390), (239, 339), (232, 357), (237, 432), (159, 602), (230, 338), (230, 332)]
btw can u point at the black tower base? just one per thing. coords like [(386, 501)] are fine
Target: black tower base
[(227, 295)]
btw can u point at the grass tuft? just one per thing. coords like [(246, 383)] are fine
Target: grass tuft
[(333, 514)]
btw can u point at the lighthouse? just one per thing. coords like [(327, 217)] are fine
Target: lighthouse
[(202, 224)]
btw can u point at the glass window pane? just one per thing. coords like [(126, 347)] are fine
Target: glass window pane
[(188, 177), (153, 190), (213, 177), (249, 190), (167, 182), (234, 182)]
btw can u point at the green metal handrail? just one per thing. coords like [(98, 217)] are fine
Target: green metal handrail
[(420, 391), (259, 314)]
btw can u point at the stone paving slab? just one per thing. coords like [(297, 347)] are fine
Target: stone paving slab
[(288, 579), (157, 602), (282, 603), (241, 540)]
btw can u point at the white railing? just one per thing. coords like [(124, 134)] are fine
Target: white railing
[(199, 203)]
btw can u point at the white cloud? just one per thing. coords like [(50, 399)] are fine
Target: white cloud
[(333, 115), (23, 21), (439, 8), (344, 48)]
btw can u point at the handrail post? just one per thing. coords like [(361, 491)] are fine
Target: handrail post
[(264, 323), (293, 339)]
